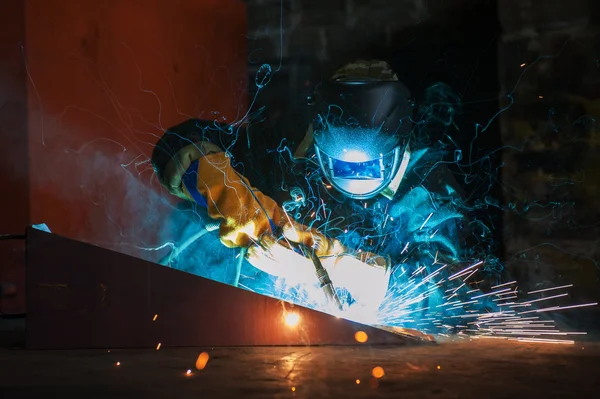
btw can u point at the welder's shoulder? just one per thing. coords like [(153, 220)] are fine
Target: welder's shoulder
[(194, 131), (433, 175), (190, 132)]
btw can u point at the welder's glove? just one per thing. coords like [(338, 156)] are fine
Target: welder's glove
[(246, 215)]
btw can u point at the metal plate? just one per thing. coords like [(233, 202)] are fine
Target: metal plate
[(84, 296)]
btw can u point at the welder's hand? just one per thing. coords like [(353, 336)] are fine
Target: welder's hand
[(245, 214), (328, 248)]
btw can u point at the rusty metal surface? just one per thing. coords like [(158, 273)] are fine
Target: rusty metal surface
[(84, 296)]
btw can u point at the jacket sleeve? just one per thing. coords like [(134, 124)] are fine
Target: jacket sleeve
[(183, 144)]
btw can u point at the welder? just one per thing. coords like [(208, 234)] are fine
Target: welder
[(334, 188)]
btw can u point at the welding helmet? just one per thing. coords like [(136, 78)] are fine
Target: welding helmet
[(361, 125)]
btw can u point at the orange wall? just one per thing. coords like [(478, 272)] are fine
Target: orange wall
[(104, 79)]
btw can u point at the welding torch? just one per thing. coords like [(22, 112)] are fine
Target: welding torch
[(325, 282), (323, 276)]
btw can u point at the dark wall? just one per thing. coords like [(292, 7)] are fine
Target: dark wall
[(550, 78)]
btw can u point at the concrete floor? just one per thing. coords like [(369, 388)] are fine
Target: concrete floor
[(467, 369)]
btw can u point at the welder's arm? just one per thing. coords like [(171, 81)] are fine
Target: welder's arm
[(202, 172)]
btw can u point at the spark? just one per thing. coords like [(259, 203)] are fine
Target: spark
[(155, 317), (507, 293), (561, 308), (455, 275), (202, 360), (545, 299), (188, 372), (491, 293), (419, 270), (378, 372), (158, 346), (426, 220), (361, 337), (469, 276), (118, 363), (405, 248), (505, 284), (547, 341), (550, 289)]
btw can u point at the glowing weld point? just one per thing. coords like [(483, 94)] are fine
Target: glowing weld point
[(118, 363), (155, 317), (439, 367), (189, 372), (292, 319), (293, 389), (358, 381)]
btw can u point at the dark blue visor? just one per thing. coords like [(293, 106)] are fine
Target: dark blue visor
[(357, 170)]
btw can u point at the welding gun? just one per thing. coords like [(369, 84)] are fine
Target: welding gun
[(322, 275)]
